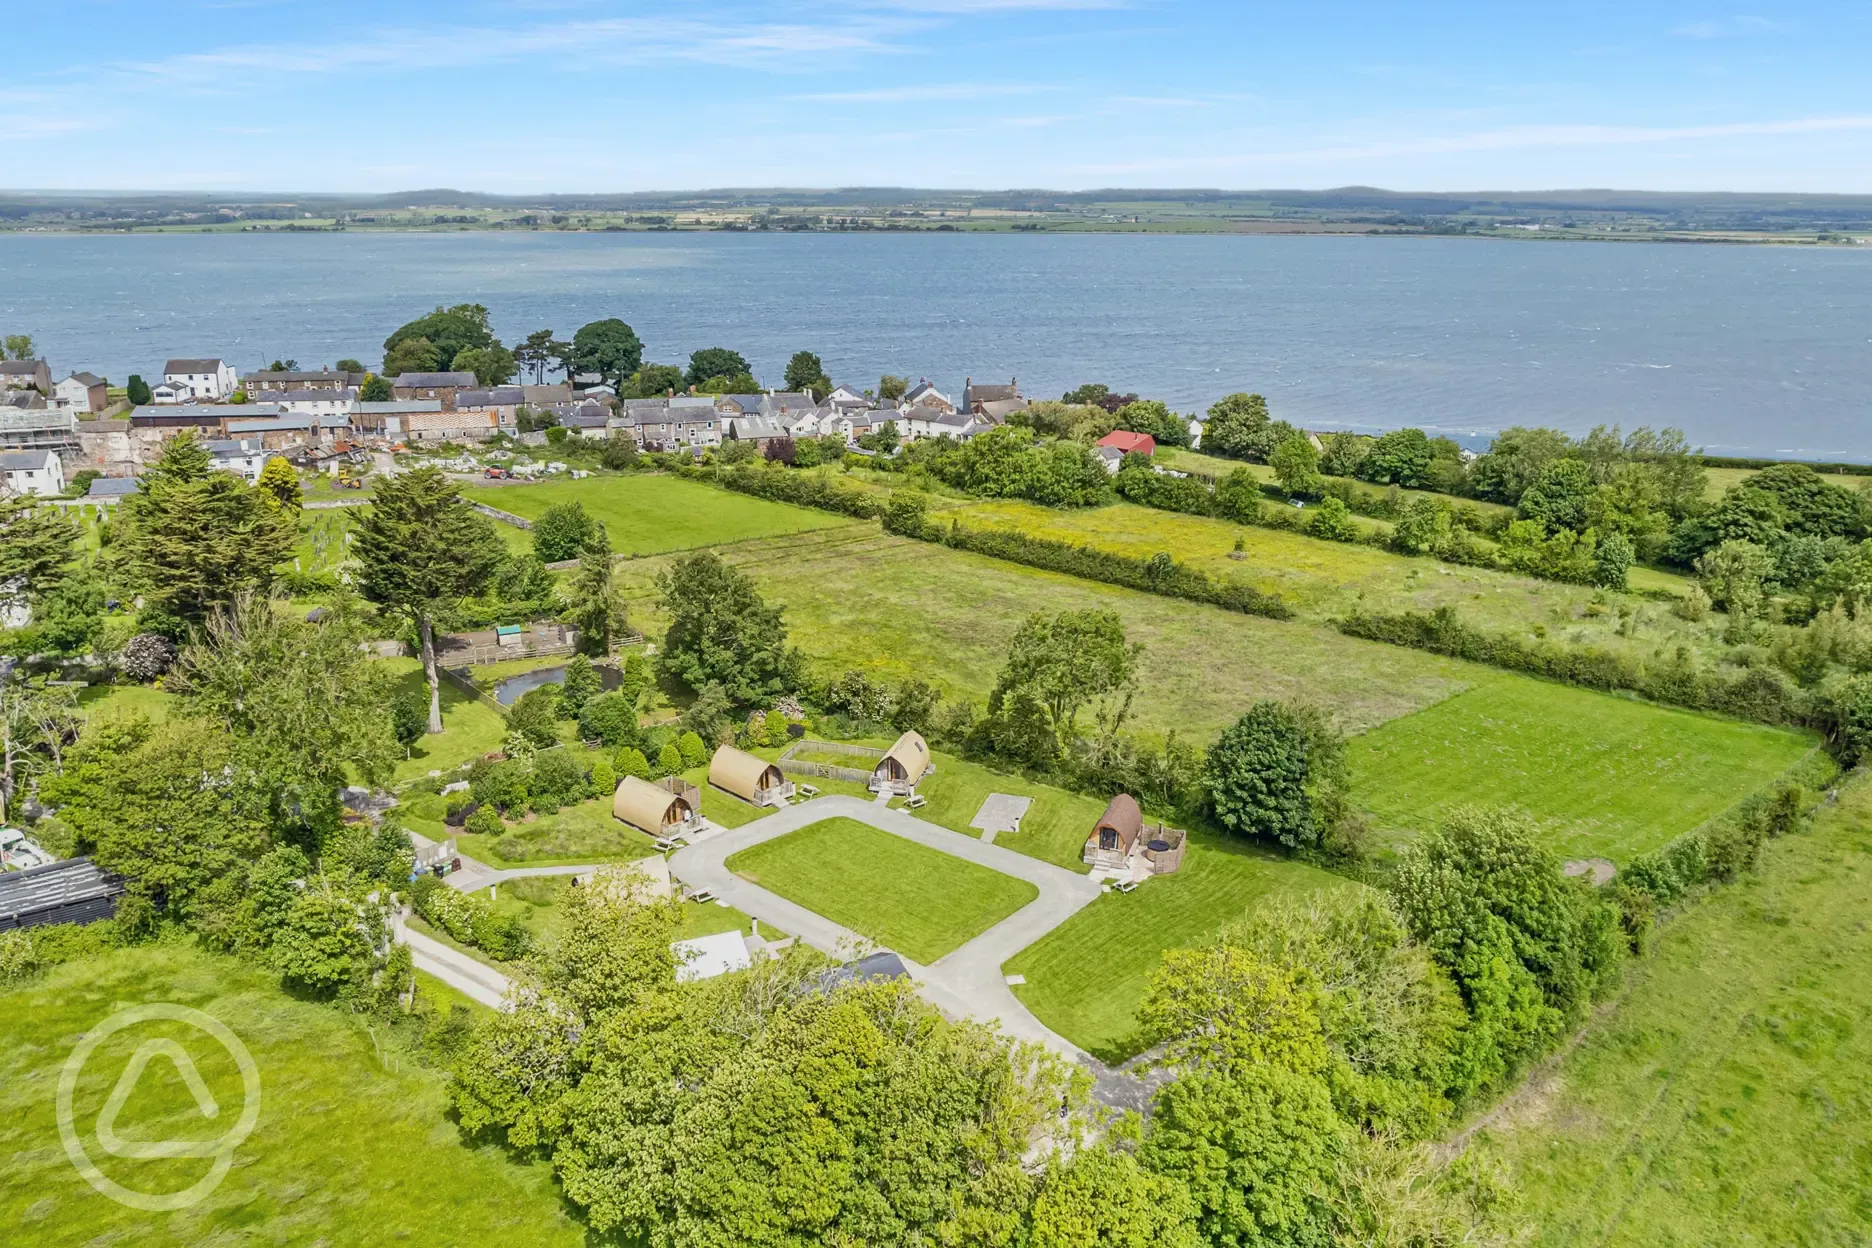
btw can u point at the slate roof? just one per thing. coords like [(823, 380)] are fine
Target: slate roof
[(20, 368), (191, 366), (87, 380), (461, 381), (24, 461), (111, 487), (277, 380), (496, 396), (75, 890)]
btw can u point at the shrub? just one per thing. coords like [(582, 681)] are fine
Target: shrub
[(536, 716), (694, 752), (610, 718), (630, 761), (147, 656), (1333, 522), (558, 776), (504, 785), (409, 715), (485, 821), (669, 760), (604, 779)]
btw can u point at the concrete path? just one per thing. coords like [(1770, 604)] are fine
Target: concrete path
[(476, 874), (473, 979), (966, 983)]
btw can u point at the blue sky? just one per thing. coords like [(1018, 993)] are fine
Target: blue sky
[(595, 95)]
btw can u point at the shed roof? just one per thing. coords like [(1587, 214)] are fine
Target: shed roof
[(75, 888), (644, 806), (741, 773), (911, 752), (1124, 818)]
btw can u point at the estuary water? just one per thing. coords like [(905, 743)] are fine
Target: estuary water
[(1750, 350)]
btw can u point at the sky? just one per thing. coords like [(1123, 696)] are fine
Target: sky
[(519, 96)]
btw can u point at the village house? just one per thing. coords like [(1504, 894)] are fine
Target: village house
[(546, 396), (451, 425), (440, 386), (386, 419), (933, 422), (977, 398), (809, 424), (301, 379), (1127, 443), (504, 401), (778, 403), (307, 402), (289, 430), (22, 400), (735, 405), (82, 393), (923, 394), (31, 472), (201, 416), (243, 457), (760, 430), (197, 380), (25, 375), (844, 398)]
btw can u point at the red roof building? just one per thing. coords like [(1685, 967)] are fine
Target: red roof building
[(1126, 442)]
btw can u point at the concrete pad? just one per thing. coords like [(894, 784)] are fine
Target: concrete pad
[(1000, 813)]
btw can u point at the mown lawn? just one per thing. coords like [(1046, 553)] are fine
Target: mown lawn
[(1086, 977), (899, 609), (918, 901), (646, 513), (352, 1144), (1610, 777), (108, 700), (470, 728), (1723, 1099), (1054, 829)]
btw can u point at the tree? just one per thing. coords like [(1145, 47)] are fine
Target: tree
[(579, 687), (1515, 460), (1149, 416), (561, 530), (305, 707), (19, 347), (1222, 1007), (618, 453), (491, 366), (409, 717), (1088, 395), (1612, 560), (137, 391), (1238, 426), (1560, 496), (730, 383), (1343, 454), (192, 540), (1814, 506), (722, 632), (609, 348), (349, 366), (713, 362), (694, 749), (1734, 575), (610, 718), (1422, 528), (330, 939), (1296, 467), (412, 355), (1401, 457), (1065, 662), (1258, 771), (279, 484), (449, 331), (535, 716), (421, 547), (36, 720), (652, 381), (1333, 522), (594, 600), (1103, 1198), (37, 546), (804, 372), (537, 352), (892, 387), (376, 389)]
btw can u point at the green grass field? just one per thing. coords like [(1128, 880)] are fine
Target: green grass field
[(1323, 581), (1610, 777), (1086, 977), (920, 902), (351, 1147), (470, 728), (1722, 1099), (898, 609), (1054, 828), (646, 514)]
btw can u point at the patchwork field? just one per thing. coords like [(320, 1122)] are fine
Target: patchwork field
[(901, 609), (1324, 580), (918, 901), (351, 1147), (1610, 777), (1086, 977), (647, 514), (1722, 1099)]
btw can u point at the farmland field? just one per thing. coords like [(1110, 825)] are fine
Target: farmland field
[(901, 609), (1610, 777), (1086, 977), (921, 902), (351, 1146), (1324, 580), (1722, 1098), (647, 514)]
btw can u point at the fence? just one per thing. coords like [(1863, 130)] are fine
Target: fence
[(473, 690), (829, 771), (505, 517)]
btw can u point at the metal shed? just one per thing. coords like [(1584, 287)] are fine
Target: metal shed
[(74, 891)]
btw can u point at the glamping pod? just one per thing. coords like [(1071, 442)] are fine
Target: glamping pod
[(652, 809), (753, 780), (902, 766)]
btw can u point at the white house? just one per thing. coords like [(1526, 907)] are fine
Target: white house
[(31, 472), (923, 394), (805, 424), (319, 402), (243, 457), (202, 379), (81, 392), (932, 422)]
